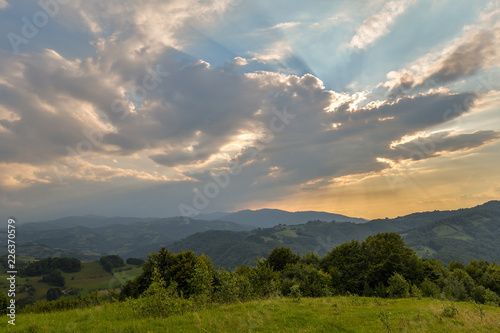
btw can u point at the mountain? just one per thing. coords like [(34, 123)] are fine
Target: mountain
[(472, 234), (127, 240), (429, 233), (34, 250), (462, 234), (89, 221), (266, 218), (212, 216)]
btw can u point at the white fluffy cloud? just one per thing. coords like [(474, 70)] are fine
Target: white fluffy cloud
[(141, 111), (379, 24)]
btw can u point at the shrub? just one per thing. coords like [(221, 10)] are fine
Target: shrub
[(4, 303), (430, 289), (491, 298), (161, 301), (265, 281), (53, 294), (415, 291), (398, 286), (450, 311)]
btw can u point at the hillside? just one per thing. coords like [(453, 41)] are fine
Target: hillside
[(89, 221), (436, 234), (129, 240), (473, 234), (232, 249), (91, 277)]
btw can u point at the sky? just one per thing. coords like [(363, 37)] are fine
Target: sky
[(164, 108)]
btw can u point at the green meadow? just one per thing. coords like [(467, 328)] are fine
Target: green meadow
[(327, 314), (92, 277)]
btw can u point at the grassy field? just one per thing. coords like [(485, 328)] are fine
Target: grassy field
[(91, 277), (334, 314)]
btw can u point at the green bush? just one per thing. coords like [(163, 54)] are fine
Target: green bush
[(398, 286), (450, 311), (491, 298), (53, 294), (430, 289), (160, 300), (4, 303)]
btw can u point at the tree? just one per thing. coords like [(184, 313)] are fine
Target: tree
[(398, 286), (110, 262), (387, 254), (347, 265), (53, 294), (135, 261), (54, 278), (455, 265), (280, 257), (47, 265), (193, 275)]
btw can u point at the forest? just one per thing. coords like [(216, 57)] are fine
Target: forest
[(380, 266)]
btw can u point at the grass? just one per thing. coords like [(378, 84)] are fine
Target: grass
[(334, 314), (91, 277)]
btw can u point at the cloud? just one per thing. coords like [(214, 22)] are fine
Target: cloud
[(476, 49), (141, 112), (285, 25), (3, 4), (378, 25), (433, 145), (278, 51)]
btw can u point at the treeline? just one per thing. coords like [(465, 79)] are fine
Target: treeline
[(47, 265), (380, 266), (110, 262)]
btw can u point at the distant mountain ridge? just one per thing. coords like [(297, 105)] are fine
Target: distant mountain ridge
[(267, 218), (461, 235), (128, 240)]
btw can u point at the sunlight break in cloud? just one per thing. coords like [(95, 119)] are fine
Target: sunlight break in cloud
[(378, 25)]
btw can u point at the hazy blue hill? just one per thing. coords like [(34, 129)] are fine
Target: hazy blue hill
[(34, 250), (211, 216), (422, 231), (89, 221), (462, 234), (266, 218), (138, 239)]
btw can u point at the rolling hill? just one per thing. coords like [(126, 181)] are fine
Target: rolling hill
[(472, 234), (464, 234), (127, 240)]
